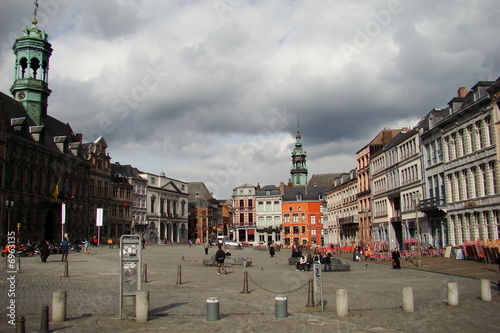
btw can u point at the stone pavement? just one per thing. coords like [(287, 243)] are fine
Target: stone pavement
[(375, 301)]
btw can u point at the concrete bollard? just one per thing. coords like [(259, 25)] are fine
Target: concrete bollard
[(342, 303), (20, 327), (281, 306), (142, 306), (452, 294), (485, 290), (44, 320), (408, 299), (212, 309), (59, 305)]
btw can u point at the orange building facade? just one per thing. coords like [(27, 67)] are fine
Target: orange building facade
[(302, 216)]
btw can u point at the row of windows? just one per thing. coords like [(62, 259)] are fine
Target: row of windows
[(410, 174), (434, 152), (473, 226), (472, 182), (168, 206), (435, 186), (268, 206), (465, 141)]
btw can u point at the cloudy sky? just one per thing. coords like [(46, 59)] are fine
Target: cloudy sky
[(212, 90)]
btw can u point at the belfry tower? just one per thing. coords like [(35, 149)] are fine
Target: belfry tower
[(31, 86), (299, 168)]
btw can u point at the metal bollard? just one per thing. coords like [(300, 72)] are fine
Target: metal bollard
[(20, 328), (342, 303), (245, 283), (485, 290), (66, 268), (145, 273), (408, 299), (310, 295), (179, 275), (213, 309), (281, 306), (142, 306), (44, 320), (59, 305), (452, 294), (18, 263)]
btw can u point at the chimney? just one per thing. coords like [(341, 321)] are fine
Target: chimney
[(462, 91), (79, 137), (282, 188)]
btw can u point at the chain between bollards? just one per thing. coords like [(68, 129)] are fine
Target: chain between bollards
[(310, 295), (245, 283), (179, 275)]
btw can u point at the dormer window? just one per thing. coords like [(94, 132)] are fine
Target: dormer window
[(298, 196)]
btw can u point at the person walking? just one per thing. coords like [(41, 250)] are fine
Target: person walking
[(206, 247), (220, 256), (64, 249), (395, 259), (44, 250), (272, 251), (85, 244), (110, 243)]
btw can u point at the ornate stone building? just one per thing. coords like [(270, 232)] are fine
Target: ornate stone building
[(43, 165)]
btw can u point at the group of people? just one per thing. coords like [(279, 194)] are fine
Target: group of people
[(305, 263)]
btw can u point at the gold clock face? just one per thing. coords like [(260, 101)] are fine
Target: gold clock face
[(21, 95)]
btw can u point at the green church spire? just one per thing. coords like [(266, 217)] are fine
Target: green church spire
[(31, 85), (299, 167)]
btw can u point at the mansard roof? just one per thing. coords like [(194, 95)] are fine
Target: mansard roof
[(263, 190), (52, 128), (308, 193), (324, 179), (198, 190)]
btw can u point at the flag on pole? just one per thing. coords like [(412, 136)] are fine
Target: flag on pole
[(55, 193)]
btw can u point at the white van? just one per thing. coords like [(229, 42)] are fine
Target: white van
[(222, 239)]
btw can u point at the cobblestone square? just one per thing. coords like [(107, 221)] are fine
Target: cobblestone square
[(374, 294)]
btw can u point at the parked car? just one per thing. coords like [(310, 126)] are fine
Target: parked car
[(232, 243)]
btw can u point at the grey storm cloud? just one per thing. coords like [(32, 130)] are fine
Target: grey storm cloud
[(212, 90)]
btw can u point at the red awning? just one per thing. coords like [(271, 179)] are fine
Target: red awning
[(251, 231)]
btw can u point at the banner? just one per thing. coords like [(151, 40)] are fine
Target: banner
[(63, 213), (99, 217)]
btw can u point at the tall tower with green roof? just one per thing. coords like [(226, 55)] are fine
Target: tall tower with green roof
[(31, 86), (299, 167)]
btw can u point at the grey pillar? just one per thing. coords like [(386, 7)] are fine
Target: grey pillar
[(485, 290), (142, 306), (408, 299), (342, 303), (59, 305), (452, 293)]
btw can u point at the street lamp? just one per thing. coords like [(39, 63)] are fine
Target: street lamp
[(416, 199)]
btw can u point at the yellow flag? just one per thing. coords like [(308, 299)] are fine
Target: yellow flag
[(55, 193)]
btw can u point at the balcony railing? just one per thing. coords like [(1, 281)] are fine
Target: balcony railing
[(348, 220), (432, 203)]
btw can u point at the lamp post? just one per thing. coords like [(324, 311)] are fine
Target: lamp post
[(8, 205), (416, 199)]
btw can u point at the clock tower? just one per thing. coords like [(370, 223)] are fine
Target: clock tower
[(31, 86), (299, 168)]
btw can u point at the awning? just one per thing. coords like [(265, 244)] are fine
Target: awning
[(251, 231)]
